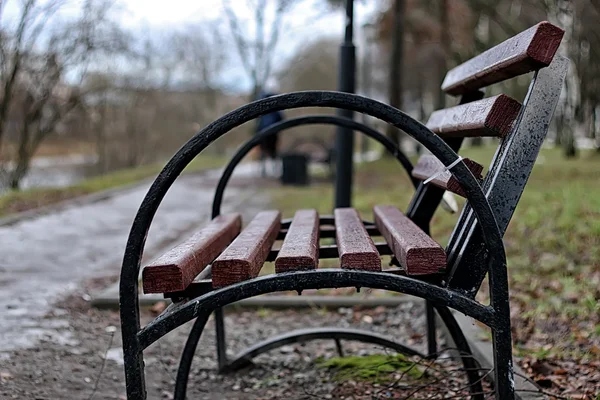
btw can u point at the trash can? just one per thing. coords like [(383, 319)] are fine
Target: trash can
[(294, 169)]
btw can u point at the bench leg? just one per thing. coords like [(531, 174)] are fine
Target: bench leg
[(431, 331), (183, 372), (470, 365), (503, 364), (220, 337), (501, 336), (135, 384)]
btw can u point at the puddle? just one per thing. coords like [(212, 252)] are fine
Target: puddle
[(115, 354), (29, 332)]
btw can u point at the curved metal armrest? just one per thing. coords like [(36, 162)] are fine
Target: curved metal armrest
[(133, 253), (390, 146)]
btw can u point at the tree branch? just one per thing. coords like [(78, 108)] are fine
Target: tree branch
[(237, 35)]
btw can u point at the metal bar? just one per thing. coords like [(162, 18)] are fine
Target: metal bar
[(344, 141), (331, 251), (329, 232), (221, 339), (187, 356), (505, 184), (327, 220), (304, 280), (504, 381), (339, 348), (304, 335), (460, 341), (431, 331)]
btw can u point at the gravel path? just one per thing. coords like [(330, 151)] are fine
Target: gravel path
[(46, 257), (52, 370)]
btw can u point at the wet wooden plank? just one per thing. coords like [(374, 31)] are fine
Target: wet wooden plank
[(244, 258), (490, 117), (531, 49), (356, 248), (300, 249), (177, 268), (428, 165), (416, 251)]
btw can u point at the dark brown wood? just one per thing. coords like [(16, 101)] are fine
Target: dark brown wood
[(246, 255), (300, 249), (176, 269), (429, 165), (493, 117), (356, 248), (530, 50), (416, 251)]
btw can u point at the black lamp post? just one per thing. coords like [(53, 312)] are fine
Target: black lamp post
[(344, 140)]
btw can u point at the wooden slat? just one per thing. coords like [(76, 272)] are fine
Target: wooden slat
[(493, 116), (300, 249), (416, 251), (244, 258), (356, 247), (429, 165), (531, 49), (177, 268)]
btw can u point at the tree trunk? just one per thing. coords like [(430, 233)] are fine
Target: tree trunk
[(21, 168), (570, 148), (595, 113), (396, 65), (100, 136), (445, 42)]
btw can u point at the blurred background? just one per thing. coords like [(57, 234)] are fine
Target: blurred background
[(89, 87), (99, 94)]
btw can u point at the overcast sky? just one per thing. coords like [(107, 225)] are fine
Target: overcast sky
[(310, 20)]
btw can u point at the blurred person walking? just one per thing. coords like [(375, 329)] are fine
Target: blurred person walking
[(268, 147)]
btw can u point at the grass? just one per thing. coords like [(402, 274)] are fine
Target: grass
[(552, 243), (376, 368), (23, 200)]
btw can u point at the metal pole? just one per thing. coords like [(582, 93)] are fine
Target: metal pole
[(344, 141), (365, 71)]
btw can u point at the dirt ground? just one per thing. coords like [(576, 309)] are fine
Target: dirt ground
[(84, 360)]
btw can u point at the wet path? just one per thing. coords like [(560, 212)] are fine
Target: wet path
[(48, 256)]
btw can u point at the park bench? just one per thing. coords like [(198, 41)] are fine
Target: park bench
[(220, 264)]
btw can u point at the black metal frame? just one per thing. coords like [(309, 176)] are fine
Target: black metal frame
[(496, 315), (507, 177), (298, 336)]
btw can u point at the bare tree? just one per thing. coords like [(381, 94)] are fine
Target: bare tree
[(313, 67), (200, 55), (397, 64), (36, 58), (256, 43), (563, 14)]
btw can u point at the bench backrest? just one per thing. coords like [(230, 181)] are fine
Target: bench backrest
[(521, 130)]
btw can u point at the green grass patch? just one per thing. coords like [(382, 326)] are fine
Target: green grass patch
[(376, 368), (23, 200)]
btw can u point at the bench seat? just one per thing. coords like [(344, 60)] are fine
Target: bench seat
[(235, 255)]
